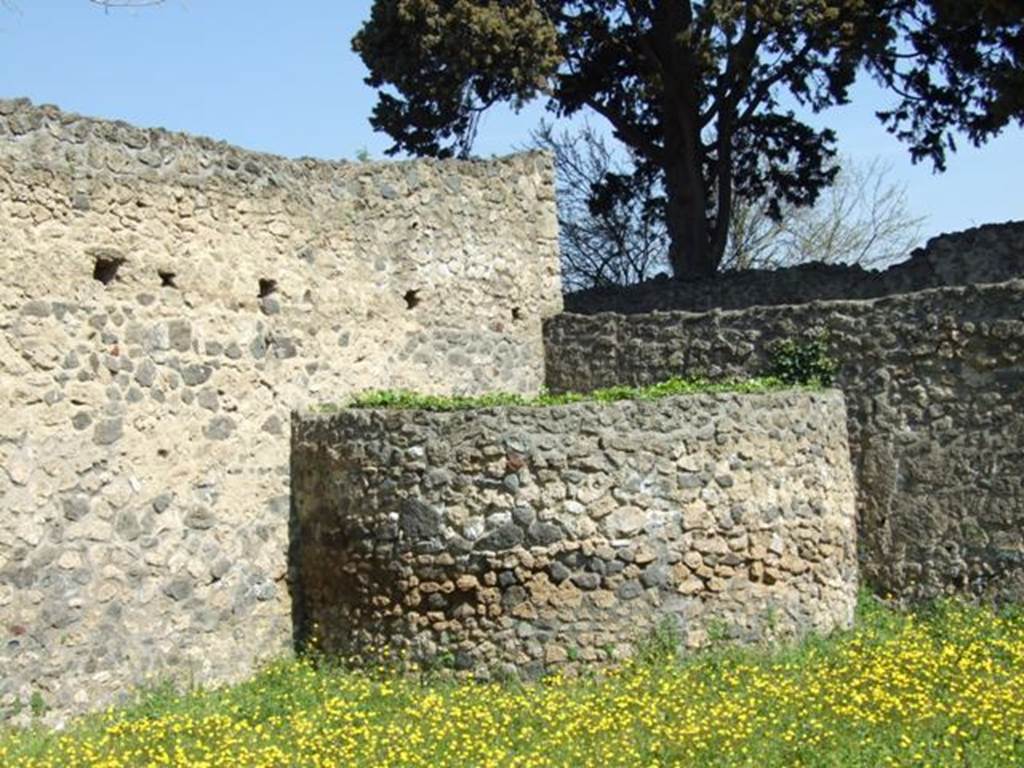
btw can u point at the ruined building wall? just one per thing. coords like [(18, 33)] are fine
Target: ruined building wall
[(521, 540), (165, 302), (934, 382), (988, 254)]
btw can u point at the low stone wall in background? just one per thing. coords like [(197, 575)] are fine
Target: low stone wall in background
[(523, 539), (992, 253), (934, 383)]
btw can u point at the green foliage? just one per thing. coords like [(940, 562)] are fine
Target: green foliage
[(37, 704), (805, 361), (446, 59), (662, 644), (966, 74), (402, 399), (699, 92)]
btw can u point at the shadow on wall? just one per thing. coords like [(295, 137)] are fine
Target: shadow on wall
[(934, 382)]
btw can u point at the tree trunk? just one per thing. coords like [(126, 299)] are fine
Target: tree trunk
[(690, 250)]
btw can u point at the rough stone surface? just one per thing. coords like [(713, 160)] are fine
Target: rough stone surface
[(992, 253), (934, 383), (627, 545), (144, 446)]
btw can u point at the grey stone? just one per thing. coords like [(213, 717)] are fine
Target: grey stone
[(196, 374), (219, 428), (513, 596), (284, 347), (524, 516), (127, 526), (558, 572), (208, 399), (162, 502), (690, 480), (654, 576), (76, 506), (108, 431), (145, 374), (629, 590), (258, 347), (265, 591), (505, 537), (587, 581), (279, 506), (200, 518), (36, 308), (58, 615), (81, 420), (179, 335), (220, 568), (80, 201), (418, 520), (544, 534), (178, 589), (272, 425)]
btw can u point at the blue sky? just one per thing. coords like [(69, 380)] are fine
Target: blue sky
[(280, 77)]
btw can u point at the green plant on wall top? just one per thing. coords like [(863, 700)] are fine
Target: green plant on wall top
[(804, 361), (402, 399)]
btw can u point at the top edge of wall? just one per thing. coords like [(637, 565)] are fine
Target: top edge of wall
[(788, 396), (985, 254), (994, 290), (32, 117)]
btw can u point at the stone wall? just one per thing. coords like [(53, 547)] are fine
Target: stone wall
[(520, 539), (935, 389), (165, 302), (989, 254)]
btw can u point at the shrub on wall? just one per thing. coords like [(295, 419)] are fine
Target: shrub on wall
[(803, 361)]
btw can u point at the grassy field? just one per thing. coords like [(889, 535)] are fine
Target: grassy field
[(942, 687)]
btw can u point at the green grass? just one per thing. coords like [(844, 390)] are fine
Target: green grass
[(402, 399), (940, 687)]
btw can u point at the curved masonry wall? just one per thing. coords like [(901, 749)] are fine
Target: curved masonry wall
[(165, 302), (934, 383), (520, 539)]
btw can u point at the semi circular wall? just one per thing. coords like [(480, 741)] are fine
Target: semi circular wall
[(520, 539)]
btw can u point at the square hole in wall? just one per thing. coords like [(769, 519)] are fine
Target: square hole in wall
[(105, 267), (267, 287)]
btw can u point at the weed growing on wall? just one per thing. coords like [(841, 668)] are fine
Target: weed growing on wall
[(676, 386), (802, 361), (942, 687)]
